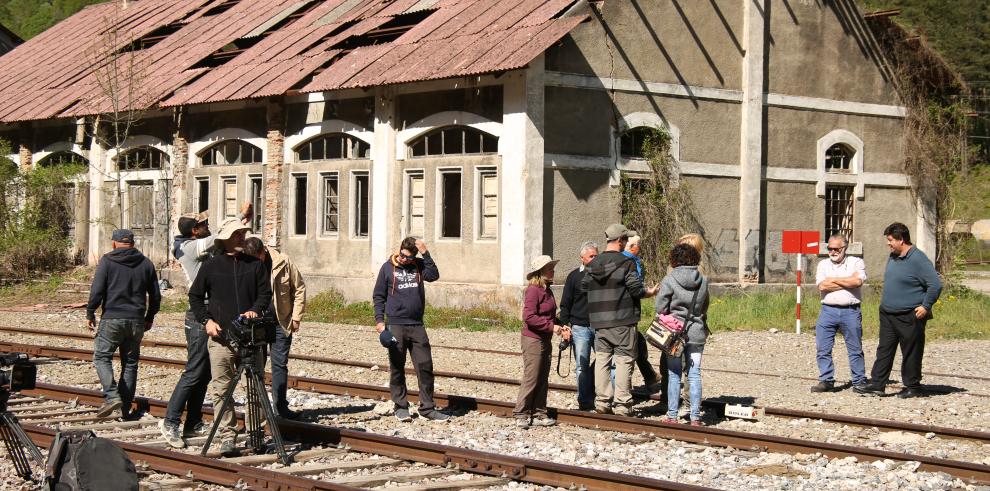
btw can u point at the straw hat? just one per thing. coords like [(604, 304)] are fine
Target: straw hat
[(539, 263), (229, 226)]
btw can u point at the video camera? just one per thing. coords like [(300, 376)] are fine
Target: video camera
[(246, 333), (22, 373)]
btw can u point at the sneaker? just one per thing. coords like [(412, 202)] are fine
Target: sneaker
[(669, 420), (910, 393), (697, 422), (544, 421), (170, 433), (227, 446), (522, 422), (201, 429), (436, 416), (603, 410), (622, 411), (402, 414), (868, 390), (288, 414), (824, 386), (586, 407), (108, 408)]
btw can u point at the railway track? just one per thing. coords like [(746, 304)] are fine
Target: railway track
[(699, 435), (717, 405), (367, 460)]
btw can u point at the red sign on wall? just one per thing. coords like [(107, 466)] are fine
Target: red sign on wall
[(800, 242)]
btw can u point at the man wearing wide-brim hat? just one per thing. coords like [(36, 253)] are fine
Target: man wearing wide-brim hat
[(614, 292), (236, 284)]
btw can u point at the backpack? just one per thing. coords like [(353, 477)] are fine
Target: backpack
[(81, 461)]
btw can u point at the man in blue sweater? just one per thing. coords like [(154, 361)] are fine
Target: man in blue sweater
[(400, 299), (910, 289)]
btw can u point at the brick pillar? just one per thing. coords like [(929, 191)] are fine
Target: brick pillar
[(274, 225), (24, 153), (180, 164)]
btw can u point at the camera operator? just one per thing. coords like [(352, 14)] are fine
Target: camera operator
[(289, 300), (126, 286), (236, 284), (400, 295)]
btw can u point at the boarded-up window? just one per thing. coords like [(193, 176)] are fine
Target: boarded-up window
[(229, 191), (488, 206), (839, 211), (417, 204), (231, 152), (450, 204), (331, 204), (141, 206), (362, 204)]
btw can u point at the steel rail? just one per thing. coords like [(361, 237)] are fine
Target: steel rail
[(703, 435), (472, 461), (201, 468), (716, 404), (337, 361)]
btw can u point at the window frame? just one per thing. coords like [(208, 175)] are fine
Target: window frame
[(407, 196), (850, 198), (200, 181), (441, 131), (166, 159), (222, 195), (632, 132), (439, 204), (479, 202), (258, 220), (353, 211), (296, 177), (324, 177), (201, 155), (352, 149)]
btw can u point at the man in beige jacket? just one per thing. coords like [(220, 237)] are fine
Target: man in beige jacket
[(289, 300)]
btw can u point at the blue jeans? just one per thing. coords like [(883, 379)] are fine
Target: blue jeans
[(583, 338), (848, 321), (280, 370), (692, 352), (190, 391), (125, 334)]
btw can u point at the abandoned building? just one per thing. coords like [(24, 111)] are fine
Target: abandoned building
[(496, 129)]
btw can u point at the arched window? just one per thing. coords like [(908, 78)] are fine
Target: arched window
[(333, 146), (453, 140), (63, 158), (838, 158), (142, 158), (631, 141), (231, 152)]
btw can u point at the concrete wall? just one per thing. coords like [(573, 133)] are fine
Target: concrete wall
[(716, 203), (578, 204)]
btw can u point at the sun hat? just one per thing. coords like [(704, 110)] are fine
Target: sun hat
[(229, 226), (539, 263)]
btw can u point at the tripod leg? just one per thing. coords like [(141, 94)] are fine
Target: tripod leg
[(16, 442), (227, 404), (266, 406)]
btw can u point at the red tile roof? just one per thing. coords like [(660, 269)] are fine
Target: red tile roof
[(200, 51)]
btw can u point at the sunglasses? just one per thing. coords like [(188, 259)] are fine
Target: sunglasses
[(407, 258), (835, 249)]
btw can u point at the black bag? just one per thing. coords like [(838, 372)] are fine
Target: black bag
[(81, 461)]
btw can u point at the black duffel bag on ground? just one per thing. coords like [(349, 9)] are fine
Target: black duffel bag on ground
[(81, 461)]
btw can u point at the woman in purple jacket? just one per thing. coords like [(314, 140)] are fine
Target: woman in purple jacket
[(540, 323)]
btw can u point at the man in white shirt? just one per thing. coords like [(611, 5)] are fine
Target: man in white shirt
[(840, 281)]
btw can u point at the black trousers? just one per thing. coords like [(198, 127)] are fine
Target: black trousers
[(907, 331), (643, 359), (412, 339), (279, 353), (190, 391)]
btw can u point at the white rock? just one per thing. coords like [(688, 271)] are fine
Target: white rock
[(900, 438)]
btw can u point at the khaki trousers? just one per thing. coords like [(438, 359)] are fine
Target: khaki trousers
[(223, 366), (535, 380), (615, 345)]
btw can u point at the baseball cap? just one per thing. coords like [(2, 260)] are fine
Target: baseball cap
[(616, 231), (123, 235), (387, 339)]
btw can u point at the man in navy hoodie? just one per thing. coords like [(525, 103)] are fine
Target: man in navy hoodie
[(125, 285), (400, 298)]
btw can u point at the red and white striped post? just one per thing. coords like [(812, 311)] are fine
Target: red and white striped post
[(799, 242)]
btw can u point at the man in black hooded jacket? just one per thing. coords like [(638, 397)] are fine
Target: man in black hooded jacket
[(126, 287)]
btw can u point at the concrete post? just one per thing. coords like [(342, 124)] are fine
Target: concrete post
[(274, 225), (97, 195), (751, 140), (924, 234), (521, 179), (382, 167)]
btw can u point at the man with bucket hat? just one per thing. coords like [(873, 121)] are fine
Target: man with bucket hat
[(400, 299), (236, 284), (614, 291), (125, 285)]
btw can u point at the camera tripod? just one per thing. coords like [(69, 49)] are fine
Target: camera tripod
[(258, 404), (17, 440)]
